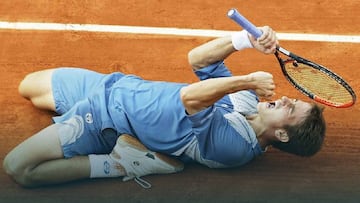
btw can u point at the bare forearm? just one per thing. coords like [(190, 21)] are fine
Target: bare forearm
[(220, 48), (210, 52), (203, 94)]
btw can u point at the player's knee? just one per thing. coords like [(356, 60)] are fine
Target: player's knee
[(37, 88), (23, 88), (10, 168), (18, 174)]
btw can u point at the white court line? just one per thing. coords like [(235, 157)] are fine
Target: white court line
[(167, 31)]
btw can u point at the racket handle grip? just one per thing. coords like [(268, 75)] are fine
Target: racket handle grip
[(244, 23)]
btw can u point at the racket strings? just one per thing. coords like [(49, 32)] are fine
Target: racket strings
[(317, 82)]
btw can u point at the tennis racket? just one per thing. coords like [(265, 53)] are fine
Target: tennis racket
[(314, 80)]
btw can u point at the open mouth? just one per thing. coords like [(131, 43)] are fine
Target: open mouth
[(271, 105)]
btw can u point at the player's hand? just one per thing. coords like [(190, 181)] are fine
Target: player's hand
[(262, 83), (267, 42)]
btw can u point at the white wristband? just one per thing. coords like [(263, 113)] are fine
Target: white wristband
[(240, 40)]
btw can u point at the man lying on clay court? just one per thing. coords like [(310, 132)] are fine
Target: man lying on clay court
[(116, 125)]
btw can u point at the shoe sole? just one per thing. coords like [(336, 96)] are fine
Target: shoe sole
[(135, 143)]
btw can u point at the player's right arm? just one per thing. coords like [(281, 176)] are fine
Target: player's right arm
[(200, 95)]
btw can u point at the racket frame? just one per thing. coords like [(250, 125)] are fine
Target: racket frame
[(295, 58)]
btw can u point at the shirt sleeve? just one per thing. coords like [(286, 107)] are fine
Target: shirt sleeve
[(218, 140), (215, 70)]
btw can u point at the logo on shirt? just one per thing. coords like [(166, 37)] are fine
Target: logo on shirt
[(89, 118)]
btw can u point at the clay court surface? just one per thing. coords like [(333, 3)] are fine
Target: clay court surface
[(333, 175)]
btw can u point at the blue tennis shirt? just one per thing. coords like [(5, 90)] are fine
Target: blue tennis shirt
[(218, 136)]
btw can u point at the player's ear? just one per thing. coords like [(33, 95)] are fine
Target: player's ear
[(281, 135)]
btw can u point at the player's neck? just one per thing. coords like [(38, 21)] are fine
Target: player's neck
[(259, 129), (256, 124)]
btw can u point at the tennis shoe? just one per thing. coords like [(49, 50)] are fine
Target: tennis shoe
[(138, 161)]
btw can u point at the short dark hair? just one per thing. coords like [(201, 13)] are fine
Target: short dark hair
[(307, 137)]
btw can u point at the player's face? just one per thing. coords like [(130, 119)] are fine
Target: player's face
[(282, 112)]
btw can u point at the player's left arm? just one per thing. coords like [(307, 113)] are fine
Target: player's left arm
[(220, 48), (210, 52)]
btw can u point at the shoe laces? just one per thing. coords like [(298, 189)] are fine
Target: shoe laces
[(143, 183)]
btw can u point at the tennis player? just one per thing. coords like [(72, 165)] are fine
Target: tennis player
[(218, 121)]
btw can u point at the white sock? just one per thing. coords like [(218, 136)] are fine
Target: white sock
[(102, 166)]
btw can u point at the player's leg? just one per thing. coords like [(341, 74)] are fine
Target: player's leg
[(39, 160), (61, 88), (59, 153), (38, 89)]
